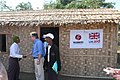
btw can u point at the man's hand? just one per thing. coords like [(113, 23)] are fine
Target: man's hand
[(29, 54), (58, 73), (39, 58), (24, 56), (38, 62)]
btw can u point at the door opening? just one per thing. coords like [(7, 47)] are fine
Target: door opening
[(53, 30)]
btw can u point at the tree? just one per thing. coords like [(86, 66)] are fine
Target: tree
[(54, 5), (24, 6), (65, 2), (4, 7), (83, 4)]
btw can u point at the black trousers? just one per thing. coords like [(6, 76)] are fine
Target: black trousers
[(13, 69), (51, 73)]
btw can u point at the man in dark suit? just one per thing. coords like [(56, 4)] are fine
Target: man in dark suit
[(52, 57)]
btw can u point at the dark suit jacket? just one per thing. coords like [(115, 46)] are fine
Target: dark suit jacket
[(54, 56)]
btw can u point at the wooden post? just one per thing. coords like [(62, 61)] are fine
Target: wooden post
[(38, 30)]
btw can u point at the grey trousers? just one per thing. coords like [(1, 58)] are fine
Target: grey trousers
[(39, 71)]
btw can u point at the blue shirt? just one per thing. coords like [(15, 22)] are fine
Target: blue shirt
[(45, 46), (38, 48)]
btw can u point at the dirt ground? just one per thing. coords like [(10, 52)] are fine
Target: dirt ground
[(29, 76)]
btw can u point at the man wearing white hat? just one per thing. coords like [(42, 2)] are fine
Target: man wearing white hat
[(52, 56)]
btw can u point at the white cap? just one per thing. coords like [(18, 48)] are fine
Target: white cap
[(44, 36), (49, 35)]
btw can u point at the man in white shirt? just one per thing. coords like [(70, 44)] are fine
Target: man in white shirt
[(15, 56)]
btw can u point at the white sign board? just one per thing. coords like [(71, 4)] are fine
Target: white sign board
[(86, 38)]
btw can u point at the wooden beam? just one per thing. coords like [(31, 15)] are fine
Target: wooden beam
[(38, 30)]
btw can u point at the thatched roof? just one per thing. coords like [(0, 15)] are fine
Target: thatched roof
[(61, 16)]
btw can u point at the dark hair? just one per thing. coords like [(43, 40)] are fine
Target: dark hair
[(16, 39), (35, 35)]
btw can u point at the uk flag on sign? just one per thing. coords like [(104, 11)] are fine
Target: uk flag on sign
[(94, 35)]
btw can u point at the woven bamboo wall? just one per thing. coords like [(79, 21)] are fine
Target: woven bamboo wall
[(88, 62)]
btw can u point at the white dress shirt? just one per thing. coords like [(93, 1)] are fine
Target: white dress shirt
[(15, 51), (49, 53)]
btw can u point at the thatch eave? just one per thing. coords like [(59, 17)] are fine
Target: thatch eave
[(61, 16)]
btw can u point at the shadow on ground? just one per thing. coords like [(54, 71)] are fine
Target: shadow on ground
[(30, 76)]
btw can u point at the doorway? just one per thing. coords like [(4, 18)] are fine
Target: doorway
[(53, 30)]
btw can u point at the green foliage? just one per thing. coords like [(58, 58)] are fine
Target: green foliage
[(83, 4), (54, 5), (65, 2), (24, 6), (4, 7)]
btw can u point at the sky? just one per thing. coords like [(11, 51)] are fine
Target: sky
[(117, 2), (38, 4)]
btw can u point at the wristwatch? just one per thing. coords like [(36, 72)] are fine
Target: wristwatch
[(38, 60)]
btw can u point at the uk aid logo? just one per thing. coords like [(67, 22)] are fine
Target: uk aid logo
[(94, 37)]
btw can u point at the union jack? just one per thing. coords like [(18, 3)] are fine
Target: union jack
[(94, 35)]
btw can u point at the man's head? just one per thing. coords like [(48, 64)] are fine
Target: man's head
[(49, 37), (33, 36), (16, 39)]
